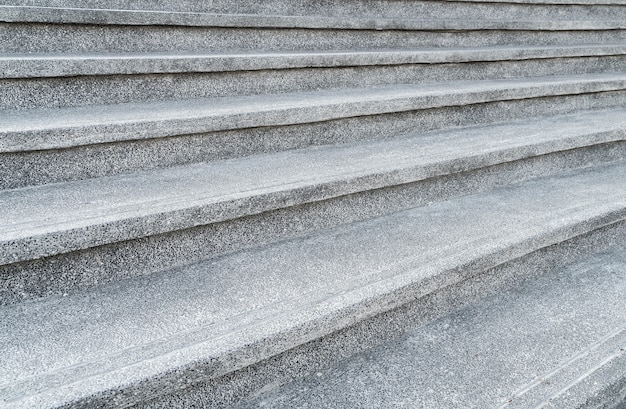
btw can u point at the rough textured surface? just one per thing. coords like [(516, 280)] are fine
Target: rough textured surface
[(146, 18), (48, 166), (318, 355), (302, 290), (43, 221), (534, 345), (81, 38), (515, 10), (62, 92), (201, 201), (74, 271), (57, 128), (54, 65)]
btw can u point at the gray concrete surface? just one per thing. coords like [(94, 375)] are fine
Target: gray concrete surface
[(189, 19), (56, 65), (95, 212), (82, 90), (514, 10), (50, 166), (535, 345), (201, 201), (81, 37), (59, 128), (75, 271), (283, 295)]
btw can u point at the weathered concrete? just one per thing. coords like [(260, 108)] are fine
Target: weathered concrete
[(200, 201), (96, 212), (283, 295), (558, 340)]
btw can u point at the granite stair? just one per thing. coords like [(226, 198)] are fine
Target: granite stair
[(200, 204)]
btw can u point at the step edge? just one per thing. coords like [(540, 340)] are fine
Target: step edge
[(137, 121), (33, 14), (52, 239), (408, 291), (28, 66)]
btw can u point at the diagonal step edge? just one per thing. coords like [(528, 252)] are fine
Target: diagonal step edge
[(560, 229), (91, 221), (64, 128), (42, 65), (20, 14)]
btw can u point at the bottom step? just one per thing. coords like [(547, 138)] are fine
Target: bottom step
[(554, 341)]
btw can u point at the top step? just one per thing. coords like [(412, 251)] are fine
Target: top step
[(36, 29), (444, 9)]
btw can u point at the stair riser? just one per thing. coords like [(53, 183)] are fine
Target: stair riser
[(110, 89), (326, 350), (67, 273), (417, 9), (76, 38), (49, 166), (172, 339)]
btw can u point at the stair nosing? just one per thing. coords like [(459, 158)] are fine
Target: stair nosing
[(43, 129), (135, 219), (42, 65), (408, 283), (26, 14)]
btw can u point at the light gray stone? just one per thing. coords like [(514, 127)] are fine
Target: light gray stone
[(57, 65), (202, 201), (75, 271), (173, 329), (150, 18), (81, 90), (555, 341), (49, 166), (60, 128), (89, 38), (49, 220), (514, 10)]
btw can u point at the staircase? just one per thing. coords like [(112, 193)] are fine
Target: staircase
[(220, 203)]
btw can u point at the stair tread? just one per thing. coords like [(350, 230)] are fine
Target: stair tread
[(62, 348), (43, 220), (548, 339), (64, 127), (194, 19), (255, 206), (61, 64)]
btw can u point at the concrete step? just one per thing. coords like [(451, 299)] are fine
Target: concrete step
[(152, 18), (553, 341), (40, 146), (59, 238), (204, 325), (31, 130), (473, 9), (47, 29), (66, 80), (42, 65)]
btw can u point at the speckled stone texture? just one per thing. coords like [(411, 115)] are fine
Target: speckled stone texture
[(42, 38), (429, 9), (177, 328), (75, 88), (533, 344), (343, 369), (319, 187), (58, 165), (52, 129), (218, 203)]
